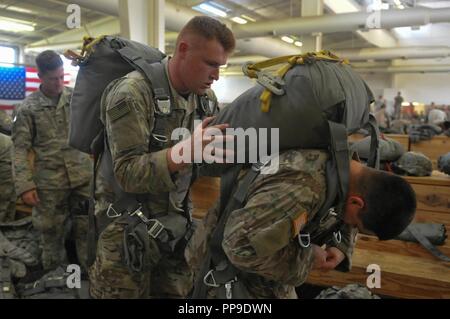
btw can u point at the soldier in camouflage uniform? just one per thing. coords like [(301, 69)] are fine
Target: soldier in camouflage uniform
[(127, 111), (7, 192), (262, 238), (5, 123), (60, 176)]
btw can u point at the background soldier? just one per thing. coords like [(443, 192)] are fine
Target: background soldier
[(61, 174), (7, 192)]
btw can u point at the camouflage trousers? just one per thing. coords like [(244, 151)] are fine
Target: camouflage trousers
[(168, 277), (7, 191), (7, 201), (53, 219)]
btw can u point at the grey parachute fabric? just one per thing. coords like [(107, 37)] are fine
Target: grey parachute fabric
[(443, 163), (423, 132), (316, 104), (435, 233), (352, 291), (101, 61), (312, 93), (390, 150), (413, 164)]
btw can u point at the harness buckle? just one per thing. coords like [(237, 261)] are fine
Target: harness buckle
[(257, 167), (273, 83), (300, 240), (337, 236), (155, 229), (212, 283), (163, 105), (112, 213)]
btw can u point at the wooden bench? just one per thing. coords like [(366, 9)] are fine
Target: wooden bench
[(437, 146), (407, 269), (204, 193)]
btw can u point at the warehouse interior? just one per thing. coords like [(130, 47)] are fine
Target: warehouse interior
[(398, 47)]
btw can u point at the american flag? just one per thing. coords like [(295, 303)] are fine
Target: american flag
[(18, 82)]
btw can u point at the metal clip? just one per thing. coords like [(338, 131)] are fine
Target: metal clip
[(273, 83), (228, 291), (300, 240), (112, 213), (162, 139), (337, 237), (163, 106), (257, 167), (210, 284), (155, 229)]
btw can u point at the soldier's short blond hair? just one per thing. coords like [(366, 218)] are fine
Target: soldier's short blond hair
[(210, 29)]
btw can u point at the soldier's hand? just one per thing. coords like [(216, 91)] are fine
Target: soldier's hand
[(320, 256), (202, 145), (334, 258), (30, 197)]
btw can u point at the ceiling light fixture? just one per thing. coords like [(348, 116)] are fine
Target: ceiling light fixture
[(211, 8), (248, 18), (298, 43), (13, 26), (287, 39), (239, 20)]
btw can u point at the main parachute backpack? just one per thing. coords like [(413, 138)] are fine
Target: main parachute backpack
[(102, 60)]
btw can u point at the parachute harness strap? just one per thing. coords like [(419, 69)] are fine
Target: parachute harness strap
[(274, 84)]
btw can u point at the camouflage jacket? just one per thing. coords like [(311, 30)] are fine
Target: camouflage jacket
[(5, 121), (128, 113), (6, 173), (42, 127), (261, 238)]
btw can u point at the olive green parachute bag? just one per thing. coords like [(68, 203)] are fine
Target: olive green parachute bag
[(315, 101), (101, 61)]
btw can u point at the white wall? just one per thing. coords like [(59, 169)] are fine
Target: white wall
[(230, 87), (377, 82), (425, 88), (415, 87)]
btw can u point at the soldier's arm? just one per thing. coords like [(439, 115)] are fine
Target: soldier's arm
[(22, 136), (261, 238), (129, 120), (348, 238)]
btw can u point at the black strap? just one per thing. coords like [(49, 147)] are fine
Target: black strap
[(427, 244), (374, 155), (215, 255), (340, 155), (97, 148)]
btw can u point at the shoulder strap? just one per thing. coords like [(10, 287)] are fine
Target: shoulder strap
[(155, 74), (374, 155), (228, 203), (340, 155)]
